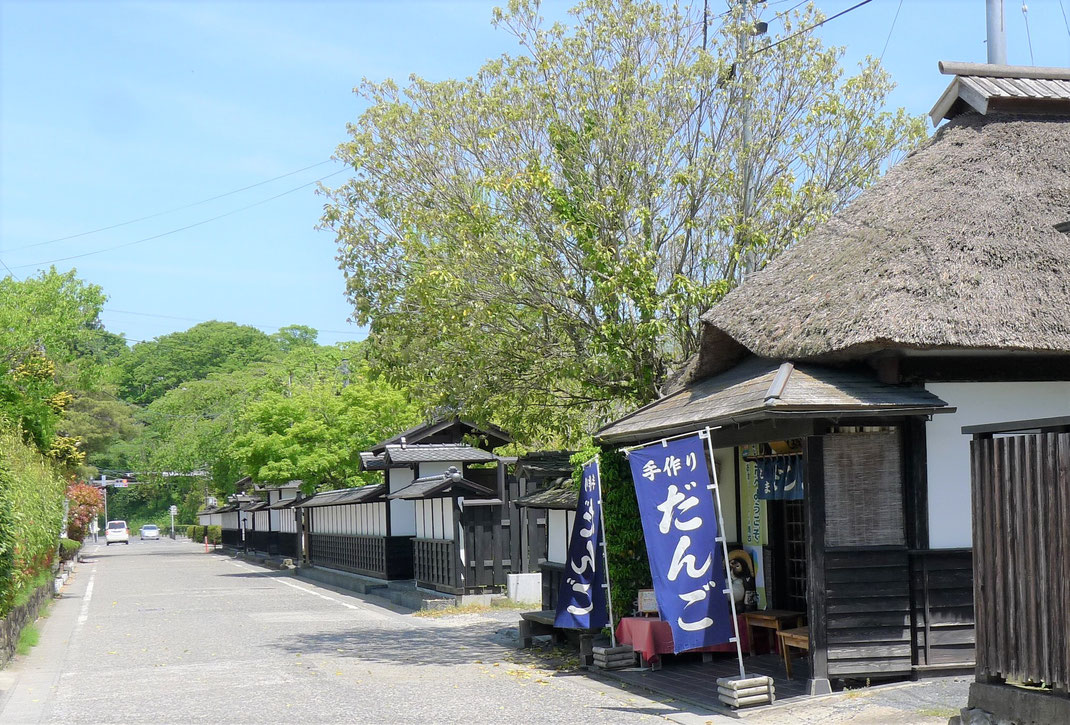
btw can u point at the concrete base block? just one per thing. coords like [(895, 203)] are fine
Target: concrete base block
[(994, 704), (524, 587)]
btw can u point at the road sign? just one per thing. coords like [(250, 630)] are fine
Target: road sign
[(121, 483), (174, 510)]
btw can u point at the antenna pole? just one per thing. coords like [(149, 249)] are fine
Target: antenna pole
[(997, 32)]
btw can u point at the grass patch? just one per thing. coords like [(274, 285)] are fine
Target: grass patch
[(941, 712), (24, 594), (495, 605), (28, 639)]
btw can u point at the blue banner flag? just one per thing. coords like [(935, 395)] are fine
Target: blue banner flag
[(582, 602), (680, 527)]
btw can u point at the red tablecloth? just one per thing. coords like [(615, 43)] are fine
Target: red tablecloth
[(650, 636)]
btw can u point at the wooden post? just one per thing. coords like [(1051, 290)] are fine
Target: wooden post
[(814, 477)]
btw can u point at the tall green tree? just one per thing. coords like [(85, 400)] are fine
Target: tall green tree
[(50, 342), (536, 243), (152, 368)]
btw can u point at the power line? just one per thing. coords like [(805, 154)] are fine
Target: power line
[(1065, 21), (890, 30), (194, 319), (182, 229), (1028, 37), (170, 211), (807, 30), (9, 271)]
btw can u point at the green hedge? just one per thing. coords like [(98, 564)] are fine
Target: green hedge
[(31, 514), (191, 532), (629, 570), (199, 532), (215, 535), (68, 548)]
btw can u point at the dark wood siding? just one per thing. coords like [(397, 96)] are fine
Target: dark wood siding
[(867, 618), (941, 587)]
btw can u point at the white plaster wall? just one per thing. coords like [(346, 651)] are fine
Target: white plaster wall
[(402, 513), (557, 533), (726, 483), (948, 450), (439, 467)]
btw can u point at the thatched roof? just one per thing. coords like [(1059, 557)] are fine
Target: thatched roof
[(954, 249)]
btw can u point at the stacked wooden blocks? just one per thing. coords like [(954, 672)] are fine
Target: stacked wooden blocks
[(737, 692), (614, 658)]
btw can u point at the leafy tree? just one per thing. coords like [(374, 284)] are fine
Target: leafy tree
[(535, 244), (315, 432), (47, 323), (100, 421), (150, 369), (294, 336)]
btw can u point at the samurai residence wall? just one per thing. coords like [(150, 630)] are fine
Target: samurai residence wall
[(287, 520), (262, 521), (434, 519), (278, 516), (558, 531), (355, 519), (402, 513), (229, 520), (949, 450)]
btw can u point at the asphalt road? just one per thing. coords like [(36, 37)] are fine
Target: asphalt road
[(160, 632)]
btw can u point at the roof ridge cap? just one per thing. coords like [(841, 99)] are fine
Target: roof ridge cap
[(991, 70)]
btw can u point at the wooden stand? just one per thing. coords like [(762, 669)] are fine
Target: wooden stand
[(774, 619), (799, 638)]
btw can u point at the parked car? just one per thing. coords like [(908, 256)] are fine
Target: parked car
[(117, 532), (150, 531)]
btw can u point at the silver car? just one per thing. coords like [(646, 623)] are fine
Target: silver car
[(150, 531)]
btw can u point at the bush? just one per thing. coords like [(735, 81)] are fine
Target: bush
[(191, 532), (68, 548), (31, 514), (215, 535), (198, 533)]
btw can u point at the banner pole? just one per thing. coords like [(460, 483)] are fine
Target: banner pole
[(605, 551), (724, 551)]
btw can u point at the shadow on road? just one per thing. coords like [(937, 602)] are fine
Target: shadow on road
[(386, 643)]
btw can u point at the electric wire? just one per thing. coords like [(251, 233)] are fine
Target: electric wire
[(1065, 21), (808, 29), (194, 319), (170, 211), (890, 31), (181, 229), (1028, 38)]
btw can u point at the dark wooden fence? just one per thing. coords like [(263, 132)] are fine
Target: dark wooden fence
[(436, 565), (1021, 529), (348, 552), (941, 591), (232, 538), (486, 543)]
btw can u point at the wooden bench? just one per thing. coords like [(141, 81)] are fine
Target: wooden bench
[(799, 638), (533, 624)]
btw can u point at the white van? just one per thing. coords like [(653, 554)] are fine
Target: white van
[(117, 532)]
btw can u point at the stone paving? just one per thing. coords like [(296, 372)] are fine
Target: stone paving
[(160, 632)]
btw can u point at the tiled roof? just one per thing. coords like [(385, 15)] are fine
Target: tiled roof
[(436, 452), (443, 485), (561, 494), (342, 496), (760, 389), (371, 462)]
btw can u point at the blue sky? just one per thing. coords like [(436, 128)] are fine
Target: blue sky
[(111, 111)]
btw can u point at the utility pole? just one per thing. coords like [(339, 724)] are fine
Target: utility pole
[(750, 259), (997, 35)]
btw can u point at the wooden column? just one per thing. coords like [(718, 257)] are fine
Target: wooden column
[(815, 545)]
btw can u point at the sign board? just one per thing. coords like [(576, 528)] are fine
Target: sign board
[(174, 510), (648, 603), (121, 483)]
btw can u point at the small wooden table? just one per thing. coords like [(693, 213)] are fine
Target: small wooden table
[(799, 638), (774, 619)]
